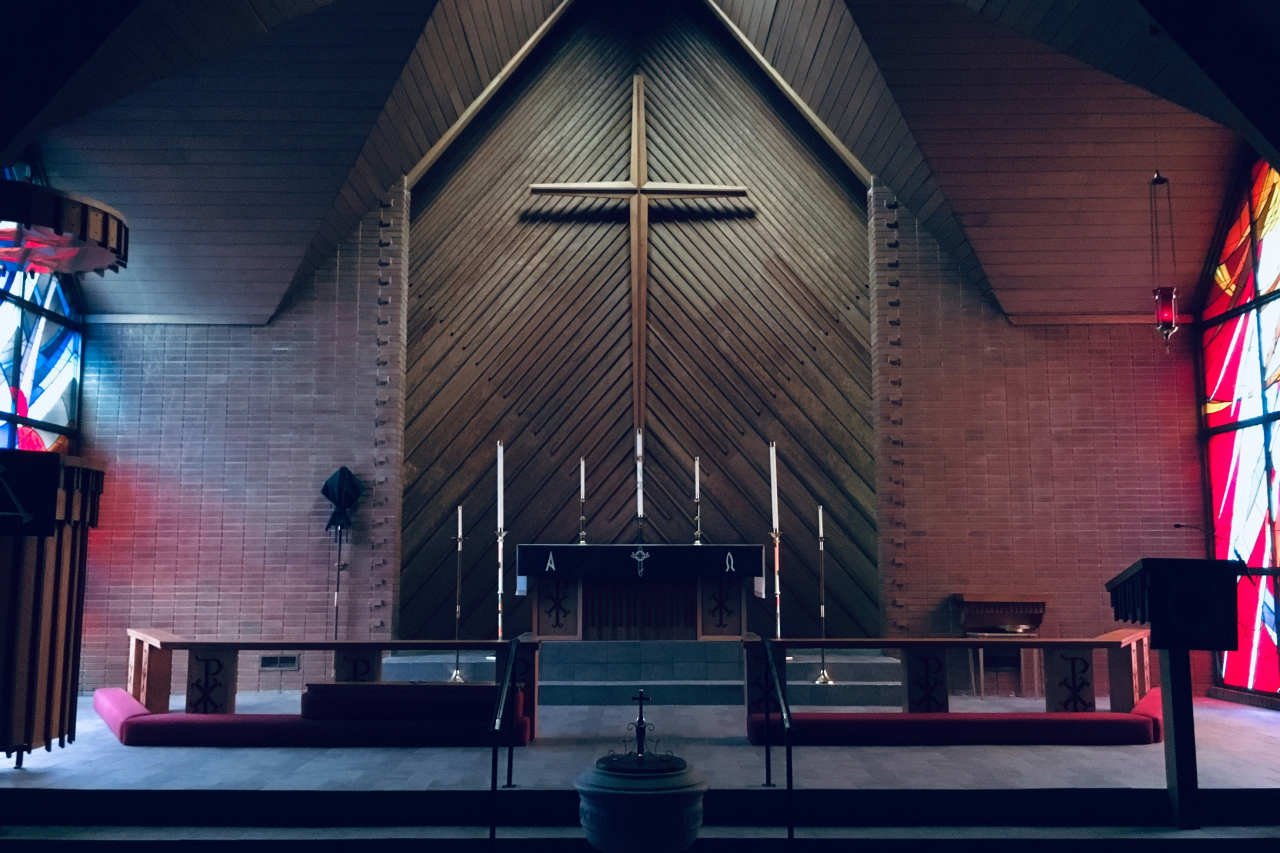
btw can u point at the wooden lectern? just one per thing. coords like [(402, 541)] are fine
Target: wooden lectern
[(1189, 604)]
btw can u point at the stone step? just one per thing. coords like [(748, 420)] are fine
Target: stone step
[(674, 692), (635, 673), (437, 666), (637, 651), (632, 663), (845, 693), (845, 669)]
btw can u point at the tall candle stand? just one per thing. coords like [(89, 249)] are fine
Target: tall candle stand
[(823, 677), (582, 522), (456, 678), (777, 582), (697, 500), (502, 535)]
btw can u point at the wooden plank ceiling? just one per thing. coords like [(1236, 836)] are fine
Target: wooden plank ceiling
[(463, 47), (1046, 160), (817, 48), (157, 39), (244, 158), (520, 326), (225, 171), (1122, 39), (155, 124)]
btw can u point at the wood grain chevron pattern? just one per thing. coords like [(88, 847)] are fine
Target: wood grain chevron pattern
[(519, 326), (818, 49)]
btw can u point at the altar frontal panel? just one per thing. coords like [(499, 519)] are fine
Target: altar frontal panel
[(640, 561)]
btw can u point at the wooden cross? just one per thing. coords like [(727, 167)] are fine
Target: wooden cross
[(639, 190)]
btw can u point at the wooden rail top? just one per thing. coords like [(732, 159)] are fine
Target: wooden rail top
[(1113, 640), (165, 640)]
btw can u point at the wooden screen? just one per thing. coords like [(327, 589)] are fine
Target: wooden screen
[(520, 326), (41, 615), (625, 609)]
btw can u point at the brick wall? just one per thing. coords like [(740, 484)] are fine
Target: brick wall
[(1018, 458), (216, 440), (1011, 458)]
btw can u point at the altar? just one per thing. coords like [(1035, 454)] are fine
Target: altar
[(639, 592)]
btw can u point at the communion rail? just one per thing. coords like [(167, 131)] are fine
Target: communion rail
[(924, 664), (1128, 668), (499, 707), (213, 664), (775, 684)]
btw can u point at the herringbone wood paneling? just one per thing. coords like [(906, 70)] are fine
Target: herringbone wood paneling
[(519, 326)]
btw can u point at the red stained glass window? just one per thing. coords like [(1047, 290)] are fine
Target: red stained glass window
[(1241, 348), (1236, 282)]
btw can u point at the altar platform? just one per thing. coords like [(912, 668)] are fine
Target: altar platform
[(1238, 748), (885, 796)]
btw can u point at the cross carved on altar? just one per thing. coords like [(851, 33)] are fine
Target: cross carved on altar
[(639, 191)]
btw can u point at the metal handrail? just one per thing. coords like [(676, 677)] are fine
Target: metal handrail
[(784, 711), (499, 707)]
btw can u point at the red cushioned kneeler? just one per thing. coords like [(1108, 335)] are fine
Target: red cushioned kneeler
[(135, 726), (947, 729)]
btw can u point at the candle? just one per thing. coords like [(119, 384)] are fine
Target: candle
[(459, 521), (501, 514), (773, 481), (582, 479), (819, 521), (640, 473), (697, 476)]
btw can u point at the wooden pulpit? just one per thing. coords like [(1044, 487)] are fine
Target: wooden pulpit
[(48, 502), (1189, 604)]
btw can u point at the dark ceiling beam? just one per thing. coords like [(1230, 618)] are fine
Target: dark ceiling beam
[(1237, 44), (128, 44), (1216, 59), (38, 67)]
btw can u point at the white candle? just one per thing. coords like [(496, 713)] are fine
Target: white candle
[(459, 521), (697, 476), (501, 514), (640, 473), (773, 481), (582, 479), (819, 521)]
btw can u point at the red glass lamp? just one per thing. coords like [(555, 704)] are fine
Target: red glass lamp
[(1166, 297), (1166, 310)]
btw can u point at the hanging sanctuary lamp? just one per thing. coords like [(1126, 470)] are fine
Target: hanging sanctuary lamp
[(1166, 298)]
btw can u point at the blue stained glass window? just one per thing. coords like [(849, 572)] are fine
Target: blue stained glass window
[(40, 356)]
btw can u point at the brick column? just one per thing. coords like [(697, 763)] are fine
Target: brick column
[(886, 252), (391, 294)]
